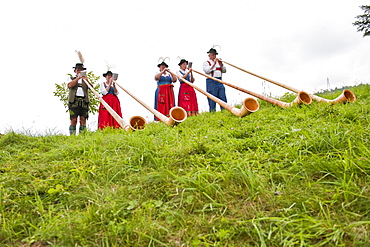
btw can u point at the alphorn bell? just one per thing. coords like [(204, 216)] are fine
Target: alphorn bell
[(302, 97), (136, 120), (249, 104), (177, 114), (346, 96)]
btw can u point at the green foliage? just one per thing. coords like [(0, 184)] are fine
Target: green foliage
[(363, 21), (297, 176), (61, 91)]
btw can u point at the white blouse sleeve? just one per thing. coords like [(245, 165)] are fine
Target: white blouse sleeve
[(102, 89)]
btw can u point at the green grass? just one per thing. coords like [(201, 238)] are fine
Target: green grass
[(278, 177)]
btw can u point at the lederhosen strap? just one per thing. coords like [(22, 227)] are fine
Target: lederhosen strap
[(219, 68)]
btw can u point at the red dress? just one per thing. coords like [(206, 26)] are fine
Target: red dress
[(105, 119), (164, 96), (188, 98)]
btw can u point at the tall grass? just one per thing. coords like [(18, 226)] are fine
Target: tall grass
[(278, 177)]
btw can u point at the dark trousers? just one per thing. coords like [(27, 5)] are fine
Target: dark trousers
[(217, 89)]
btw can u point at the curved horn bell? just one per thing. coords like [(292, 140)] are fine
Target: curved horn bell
[(177, 114), (249, 106), (346, 96), (137, 122)]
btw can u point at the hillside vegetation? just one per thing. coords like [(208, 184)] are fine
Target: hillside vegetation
[(278, 177)]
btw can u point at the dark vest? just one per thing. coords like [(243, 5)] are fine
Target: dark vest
[(73, 91)]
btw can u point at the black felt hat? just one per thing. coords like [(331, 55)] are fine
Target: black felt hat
[(183, 61), (162, 63), (79, 66), (108, 73), (212, 50)]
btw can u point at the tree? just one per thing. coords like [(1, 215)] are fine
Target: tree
[(61, 91), (363, 21)]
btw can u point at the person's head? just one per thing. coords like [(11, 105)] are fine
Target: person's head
[(183, 64), (78, 68), (212, 53), (108, 74), (162, 66)]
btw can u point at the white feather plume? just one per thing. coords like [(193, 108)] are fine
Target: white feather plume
[(216, 46), (109, 66), (163, 59), (82, 60)]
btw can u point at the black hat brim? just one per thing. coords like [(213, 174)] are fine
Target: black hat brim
[(183, 61), (163, 63), (108, 73)]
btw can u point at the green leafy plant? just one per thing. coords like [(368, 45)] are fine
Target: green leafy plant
[(61, 91)]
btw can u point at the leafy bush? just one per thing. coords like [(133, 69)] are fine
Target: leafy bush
[(61, 91)]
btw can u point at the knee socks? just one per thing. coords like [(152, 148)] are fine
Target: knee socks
[(82, 128), (72, 130)]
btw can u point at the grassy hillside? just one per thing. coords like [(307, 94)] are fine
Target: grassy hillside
[(278, 177)]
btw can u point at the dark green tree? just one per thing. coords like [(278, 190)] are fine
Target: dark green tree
[(363, 21), (61, 91)]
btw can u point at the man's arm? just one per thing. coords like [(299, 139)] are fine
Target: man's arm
[(73, 82)]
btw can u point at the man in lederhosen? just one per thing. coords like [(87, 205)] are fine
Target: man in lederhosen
[(78, 99), (214, 67)]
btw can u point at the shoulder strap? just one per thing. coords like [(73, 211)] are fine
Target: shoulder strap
[(210, 65)]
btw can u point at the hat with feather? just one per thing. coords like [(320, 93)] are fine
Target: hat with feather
[(163, 61), (109, 67), (81, 64), (213, 50), (183, 61), (108, 73)]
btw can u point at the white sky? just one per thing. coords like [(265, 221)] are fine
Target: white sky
[(297, 43)]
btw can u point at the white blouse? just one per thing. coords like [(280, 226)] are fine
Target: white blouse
[(103, 89)]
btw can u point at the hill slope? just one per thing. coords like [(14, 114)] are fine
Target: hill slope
[(278, 177)]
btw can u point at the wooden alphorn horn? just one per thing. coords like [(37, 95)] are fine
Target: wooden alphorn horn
[(346, 96), (249, 104), (302, 97), (119, 120), (177, 114)]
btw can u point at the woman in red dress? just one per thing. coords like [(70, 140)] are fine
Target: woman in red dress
[(164, 95), (110, 92), (187, 97)]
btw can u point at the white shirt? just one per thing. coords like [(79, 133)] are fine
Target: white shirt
[(216, 73), (103, 89), (80, 91)]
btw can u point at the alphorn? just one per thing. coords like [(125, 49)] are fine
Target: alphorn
[(302, 97), (177, 114), (250, 105), (346, 96), (136, 119)]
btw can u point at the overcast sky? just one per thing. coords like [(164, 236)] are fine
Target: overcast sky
[(303, 44)]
